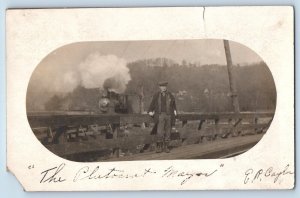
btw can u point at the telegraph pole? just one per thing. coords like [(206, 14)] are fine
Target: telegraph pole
[(232, 85)]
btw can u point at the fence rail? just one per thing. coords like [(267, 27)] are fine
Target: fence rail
[(64, 136), (56, 119)]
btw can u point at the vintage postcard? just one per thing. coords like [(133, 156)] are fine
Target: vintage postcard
[(185, 98)]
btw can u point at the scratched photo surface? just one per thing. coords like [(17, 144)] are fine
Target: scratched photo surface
[(91, 101), (151, 98)]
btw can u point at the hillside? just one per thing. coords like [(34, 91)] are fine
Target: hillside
[(197, 88)]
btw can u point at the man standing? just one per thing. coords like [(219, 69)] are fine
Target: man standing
[(163, 109)]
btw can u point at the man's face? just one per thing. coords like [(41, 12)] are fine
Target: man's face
[(163, 88)]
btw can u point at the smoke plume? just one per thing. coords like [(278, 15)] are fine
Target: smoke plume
[(99, 71)]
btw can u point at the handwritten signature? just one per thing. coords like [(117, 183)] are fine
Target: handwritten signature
[(252, 176)]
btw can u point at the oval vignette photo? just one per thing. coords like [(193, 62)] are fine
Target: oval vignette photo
[(150, 100)]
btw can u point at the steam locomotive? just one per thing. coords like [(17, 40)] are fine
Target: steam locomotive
[(112, 102)]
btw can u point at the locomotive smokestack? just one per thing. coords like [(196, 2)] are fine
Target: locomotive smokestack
[(115, 84)]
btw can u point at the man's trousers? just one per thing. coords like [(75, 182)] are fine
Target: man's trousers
[(163, 128)]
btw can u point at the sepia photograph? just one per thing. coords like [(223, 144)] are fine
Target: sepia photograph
[(166, 98), (150, 100)]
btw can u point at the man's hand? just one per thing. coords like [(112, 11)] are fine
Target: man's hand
[(151, 113), (175, 112)]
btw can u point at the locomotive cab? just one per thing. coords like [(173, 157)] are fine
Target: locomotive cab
[(112, 102)]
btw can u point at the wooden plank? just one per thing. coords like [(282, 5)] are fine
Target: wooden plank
[(195, 151), (99, 143), (224, 115), (69, 120), (56, 120), (135, 118), (133, 140)]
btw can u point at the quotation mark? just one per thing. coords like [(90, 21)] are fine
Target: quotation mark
[(31, 166)]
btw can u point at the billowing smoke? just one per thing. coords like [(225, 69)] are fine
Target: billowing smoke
[(52, 79), (99, 71)]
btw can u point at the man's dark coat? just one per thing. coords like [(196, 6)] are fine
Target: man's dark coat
[(156, 107)]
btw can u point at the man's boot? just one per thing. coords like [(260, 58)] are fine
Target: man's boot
[(166, 147), (159, 147)]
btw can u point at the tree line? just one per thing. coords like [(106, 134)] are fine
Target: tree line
[(196, 88)]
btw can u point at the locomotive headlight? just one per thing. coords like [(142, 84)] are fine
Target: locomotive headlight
[(104, 102)]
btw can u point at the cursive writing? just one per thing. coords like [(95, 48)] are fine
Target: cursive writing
[(52, 174), (87, 173), (93, 173), (186, 175), (262, 174)]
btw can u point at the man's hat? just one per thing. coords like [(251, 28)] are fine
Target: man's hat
[(163, 83)]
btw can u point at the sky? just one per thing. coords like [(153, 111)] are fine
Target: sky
[(91, 63), (205, 51)]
